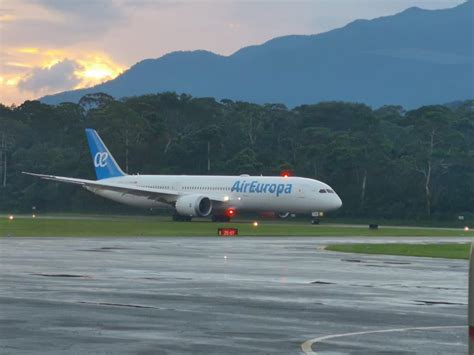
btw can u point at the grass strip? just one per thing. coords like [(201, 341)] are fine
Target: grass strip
[(444, 250), (94, 227)]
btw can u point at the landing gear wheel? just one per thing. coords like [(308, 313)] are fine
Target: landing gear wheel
[(315, 220), (220, 218), (180, 218)]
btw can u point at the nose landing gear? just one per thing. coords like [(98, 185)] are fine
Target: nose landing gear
[(316, 217)]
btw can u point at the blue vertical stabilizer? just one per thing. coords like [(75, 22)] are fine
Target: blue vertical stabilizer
[(104, 163)]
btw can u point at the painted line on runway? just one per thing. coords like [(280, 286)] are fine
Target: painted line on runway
[(307, 346)]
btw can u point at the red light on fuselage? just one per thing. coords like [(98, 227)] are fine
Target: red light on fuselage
[(286, 173), (230, 212)]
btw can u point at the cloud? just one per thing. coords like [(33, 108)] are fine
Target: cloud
[(60, 76), (105, 10), (61, 23)]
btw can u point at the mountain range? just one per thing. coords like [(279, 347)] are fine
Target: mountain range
[(413, 58)]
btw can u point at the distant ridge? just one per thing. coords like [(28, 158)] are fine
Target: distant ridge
[(413, 58)]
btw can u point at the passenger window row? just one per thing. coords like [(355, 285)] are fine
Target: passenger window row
[(188, 187), (156, 187), (206, 188)]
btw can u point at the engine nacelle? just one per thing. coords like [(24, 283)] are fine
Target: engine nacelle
[(194, 206)]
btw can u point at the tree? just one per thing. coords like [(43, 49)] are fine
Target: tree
[(434, 145), (384, 162)]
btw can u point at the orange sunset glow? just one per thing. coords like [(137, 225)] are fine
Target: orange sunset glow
[(50, 46), (90, 69)]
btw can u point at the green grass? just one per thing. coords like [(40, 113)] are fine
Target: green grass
[(447, 251), (445, 222), (163, 226)]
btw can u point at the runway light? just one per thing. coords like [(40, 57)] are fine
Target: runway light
[(33, 216), (466, 229), (255, 224), (10, 217)]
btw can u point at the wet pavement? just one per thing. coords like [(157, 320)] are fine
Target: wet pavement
[(268, 295)]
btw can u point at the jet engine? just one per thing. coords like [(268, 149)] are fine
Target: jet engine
[(194, 206)]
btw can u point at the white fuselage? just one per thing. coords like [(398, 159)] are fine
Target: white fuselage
[(244, 193), (201, 196)]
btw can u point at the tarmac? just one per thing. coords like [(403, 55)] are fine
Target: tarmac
[(266, 295)]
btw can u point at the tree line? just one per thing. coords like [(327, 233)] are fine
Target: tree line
[(385, 162)]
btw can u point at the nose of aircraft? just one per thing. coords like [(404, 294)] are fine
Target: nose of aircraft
[(327, 199), (334, 202), (337, 202)]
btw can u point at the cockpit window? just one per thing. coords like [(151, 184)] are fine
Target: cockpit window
[(322, 191), (330, 191)]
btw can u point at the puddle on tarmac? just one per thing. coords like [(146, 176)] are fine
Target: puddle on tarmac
[(116, 304), (438, 303), (322, 283), (62, 275)]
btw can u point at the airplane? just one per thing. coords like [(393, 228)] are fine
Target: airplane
[(220, 197)]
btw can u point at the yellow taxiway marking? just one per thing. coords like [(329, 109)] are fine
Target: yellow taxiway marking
[(308, 344)]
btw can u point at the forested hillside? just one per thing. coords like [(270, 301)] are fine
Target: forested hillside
[(383, 163)]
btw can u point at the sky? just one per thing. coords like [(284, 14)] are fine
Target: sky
[(49, 46)]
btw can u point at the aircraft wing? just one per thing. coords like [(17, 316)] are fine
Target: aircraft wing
[(161, 195)]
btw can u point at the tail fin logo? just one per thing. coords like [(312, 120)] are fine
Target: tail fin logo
[(105, 165), (100, 159)]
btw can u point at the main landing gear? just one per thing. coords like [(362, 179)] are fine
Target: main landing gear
[(181, 218), (220, 218)]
